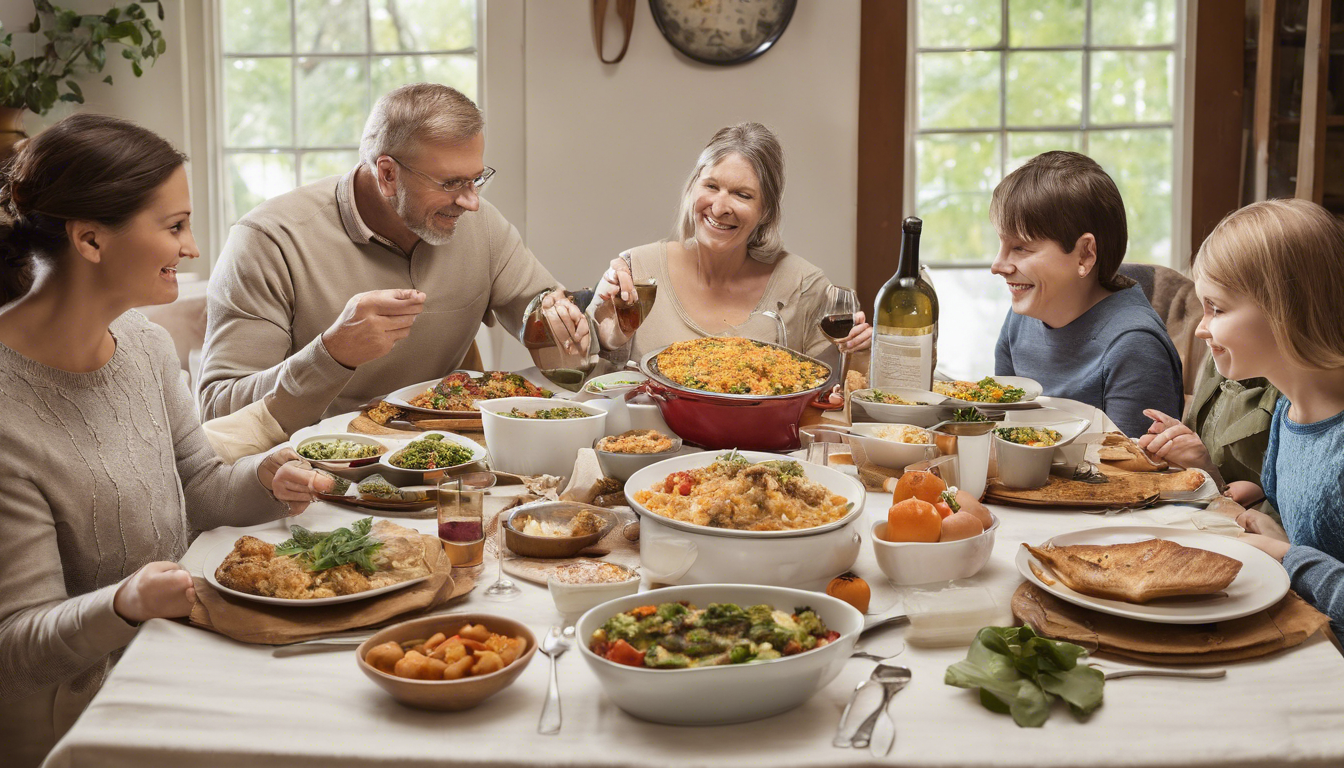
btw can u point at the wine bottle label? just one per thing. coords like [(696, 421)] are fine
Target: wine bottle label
[(902, 361)]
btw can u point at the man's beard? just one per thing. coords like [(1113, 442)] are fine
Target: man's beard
[(422, 229)]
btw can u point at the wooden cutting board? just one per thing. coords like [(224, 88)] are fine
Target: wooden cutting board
[(1125, 489), (419, 422)]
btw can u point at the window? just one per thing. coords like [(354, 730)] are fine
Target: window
[(1000, 81), (298, 78)]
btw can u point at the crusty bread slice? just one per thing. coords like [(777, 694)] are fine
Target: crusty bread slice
[(1139, 572)]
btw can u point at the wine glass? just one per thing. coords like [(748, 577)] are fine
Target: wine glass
[(837, 319), (503, 589)]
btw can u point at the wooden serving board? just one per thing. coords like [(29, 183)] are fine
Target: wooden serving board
[(418, 422), (1125, 489)]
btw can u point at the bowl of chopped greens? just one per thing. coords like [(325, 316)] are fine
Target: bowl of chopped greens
[(1005, 392), (340, 450), (435, 454), (1024, 452), (534, 436), (715, 654), (900, 405)]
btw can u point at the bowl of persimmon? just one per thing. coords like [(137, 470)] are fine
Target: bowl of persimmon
[(450, 662), (932, 532)]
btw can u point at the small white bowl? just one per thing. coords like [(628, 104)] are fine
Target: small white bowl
[(1025, 466), (930, 410), (573, 599), (919, 562), (620, 466), (888, 453), (611, 384), (352, 437), (430, 476), (538, 446)]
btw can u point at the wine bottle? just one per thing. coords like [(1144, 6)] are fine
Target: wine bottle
[(905, 337)]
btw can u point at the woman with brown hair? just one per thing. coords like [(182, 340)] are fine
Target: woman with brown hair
[(107, 473)]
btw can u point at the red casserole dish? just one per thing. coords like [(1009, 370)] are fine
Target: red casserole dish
[(715, 420)]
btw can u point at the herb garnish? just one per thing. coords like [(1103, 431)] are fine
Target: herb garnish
[(323, 551), (1020, 673)]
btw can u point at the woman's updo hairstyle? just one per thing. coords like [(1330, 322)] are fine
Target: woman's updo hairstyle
[(86, 167)]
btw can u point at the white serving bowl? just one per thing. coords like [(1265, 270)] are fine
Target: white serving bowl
[(538, 446), (733, 693), (574, 599), (673, 552), (887, 453), (930, 411), (645, 414), (920, 562), (353, 437), (1025, 466), (611, 385), (620, 466), (431, 476)]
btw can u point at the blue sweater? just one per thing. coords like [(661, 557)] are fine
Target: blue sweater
[(1303, 478), (1116, 356)]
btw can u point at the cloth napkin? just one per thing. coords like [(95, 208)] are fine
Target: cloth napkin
[(1284, 625), (253, 622), (245, 432)]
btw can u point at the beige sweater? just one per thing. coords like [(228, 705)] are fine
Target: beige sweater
[(288, 269), (796, 292), (103, 472)]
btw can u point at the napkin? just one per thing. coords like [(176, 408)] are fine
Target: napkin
[(245, 432), (1284, 625), (254, 622), (586, 481)]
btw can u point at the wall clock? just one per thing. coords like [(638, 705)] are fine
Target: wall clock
[(722, 32)]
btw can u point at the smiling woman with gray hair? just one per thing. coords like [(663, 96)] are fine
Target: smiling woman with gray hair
[(726, 266)]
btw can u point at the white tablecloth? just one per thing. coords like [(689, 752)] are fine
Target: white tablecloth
[(185, 697)]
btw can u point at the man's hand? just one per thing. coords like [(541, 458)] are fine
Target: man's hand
[(568, 323), (371, 323)]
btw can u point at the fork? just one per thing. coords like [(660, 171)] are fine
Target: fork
[(553, 645)]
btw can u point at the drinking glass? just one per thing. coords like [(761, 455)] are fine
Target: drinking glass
[(837, 318), (461, 523), (632, 314), (503, 589)]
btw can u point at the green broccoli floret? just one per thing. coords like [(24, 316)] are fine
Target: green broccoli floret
[(725, 618), (741, 653), (659, 657), (809, 623), (772, 633), (760, 614), (622, 626), (702, 642), (670, 611)]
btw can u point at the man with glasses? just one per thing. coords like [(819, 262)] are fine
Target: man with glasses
[(346, 289)]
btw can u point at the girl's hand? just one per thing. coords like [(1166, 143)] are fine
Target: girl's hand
[(1244, 493), (292, 480), (860, 336), (1255, 521), (160, 590), (1272, 547), (1169, 439), (617, 281)]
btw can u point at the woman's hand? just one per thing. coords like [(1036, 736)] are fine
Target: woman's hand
[(160, 590), (617, 281), (1243, 492), (291, 479), (1171, 440), (860, 336)]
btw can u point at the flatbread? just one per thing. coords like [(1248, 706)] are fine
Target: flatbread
[(1122, 489), (1140, 571), (1123, 453)]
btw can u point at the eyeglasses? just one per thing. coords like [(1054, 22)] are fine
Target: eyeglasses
[(451, 187)]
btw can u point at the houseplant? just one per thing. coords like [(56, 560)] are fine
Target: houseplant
[(70, 44)]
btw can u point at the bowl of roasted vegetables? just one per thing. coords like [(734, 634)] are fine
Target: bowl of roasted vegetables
[(435, 454), (1024, 452), (450, 662), (714, 654), (340, 450)]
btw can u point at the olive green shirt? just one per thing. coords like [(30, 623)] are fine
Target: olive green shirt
[(1232, 418)]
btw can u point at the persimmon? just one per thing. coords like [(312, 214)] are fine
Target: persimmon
[(919, 484), (852, 590), (913, 520)]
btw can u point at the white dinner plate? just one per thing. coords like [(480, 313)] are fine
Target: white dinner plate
[(1261, 583), (1031, 389), (215, 556), (402, 397)]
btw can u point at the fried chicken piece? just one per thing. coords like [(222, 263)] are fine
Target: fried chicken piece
[(341, 580), (247, 567)]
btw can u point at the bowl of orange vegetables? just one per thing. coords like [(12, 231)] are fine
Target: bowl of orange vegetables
[(447, 663), (932, 533)]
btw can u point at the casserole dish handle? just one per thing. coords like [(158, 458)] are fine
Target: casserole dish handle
[(667, 560)]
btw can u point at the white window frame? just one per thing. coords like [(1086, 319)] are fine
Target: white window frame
[(1181, 115)]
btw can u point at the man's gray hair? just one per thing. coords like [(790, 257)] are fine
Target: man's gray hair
[(759, 147), (419, 112)]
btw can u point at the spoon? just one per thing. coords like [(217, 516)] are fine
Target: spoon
[(893, 679), (553, 645), (841, 740)]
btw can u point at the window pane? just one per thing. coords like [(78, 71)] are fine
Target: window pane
[(256, 26), (1140, 162), (256, 102), (958, 90), (332, 26), (957, 173), (394, 71), (966, 337), (960, 24), (423, 25), (1131, 87), (254, 177), (1134, 22), (1045, 88), (319, 165), (1024, 146), (333, 100), (1034, 23)]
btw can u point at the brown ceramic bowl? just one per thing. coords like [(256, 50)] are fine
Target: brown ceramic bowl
[(553, 546), (447, 695)]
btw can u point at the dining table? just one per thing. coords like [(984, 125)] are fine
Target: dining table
[(182, 696)]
